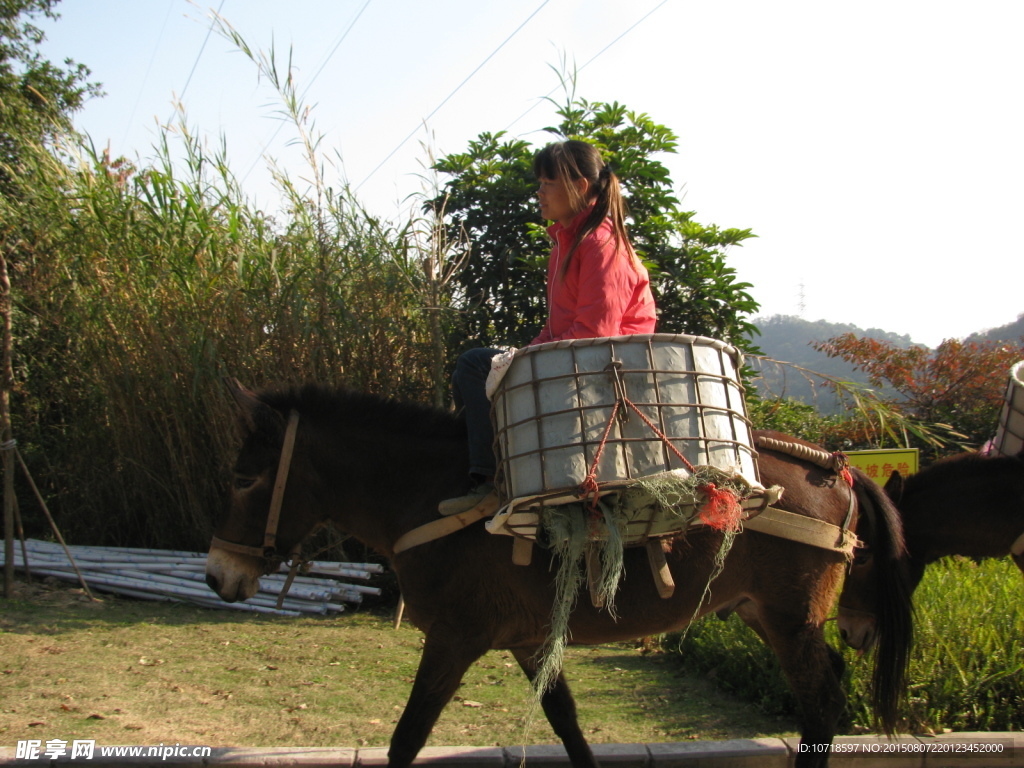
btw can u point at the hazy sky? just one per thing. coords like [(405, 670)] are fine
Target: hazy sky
[(873, 147)]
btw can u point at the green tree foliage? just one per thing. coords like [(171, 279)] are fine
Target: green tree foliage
[(792, 417), (490, 198), (491, 195), (37, 97)]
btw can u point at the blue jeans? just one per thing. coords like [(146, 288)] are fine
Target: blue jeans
[(468, 382)]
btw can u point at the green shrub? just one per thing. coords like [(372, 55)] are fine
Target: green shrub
[(966, 671)]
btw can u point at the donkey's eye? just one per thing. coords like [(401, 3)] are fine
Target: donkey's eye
[(244, 483), (861, 556)]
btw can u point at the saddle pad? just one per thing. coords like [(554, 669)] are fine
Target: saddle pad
[(655, 506)]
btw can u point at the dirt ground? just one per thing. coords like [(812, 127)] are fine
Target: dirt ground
[(53, 592)]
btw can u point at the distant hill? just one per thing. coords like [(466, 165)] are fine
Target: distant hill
[(1010, 332), (788, 339)]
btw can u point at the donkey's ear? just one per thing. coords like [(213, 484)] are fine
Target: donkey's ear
[(245, 397), (894, 487), (248, 400)]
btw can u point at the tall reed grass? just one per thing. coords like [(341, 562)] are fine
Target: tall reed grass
[(966, 671), (139, 288)]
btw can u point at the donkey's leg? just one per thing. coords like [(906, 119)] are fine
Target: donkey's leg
[(560, 709), (750, 617), (810, 666), (446, 657), (746, 611)]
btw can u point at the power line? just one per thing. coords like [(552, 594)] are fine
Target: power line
[(335, 49), (593, 58), (145, 77), (320, 69), (438, 107), (199, 55)]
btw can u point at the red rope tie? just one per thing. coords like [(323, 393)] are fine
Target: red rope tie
[(589, 486), (842, 464), (659, 433), (721, 510)]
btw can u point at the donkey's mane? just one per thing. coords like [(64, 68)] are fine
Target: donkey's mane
[(359, 410)]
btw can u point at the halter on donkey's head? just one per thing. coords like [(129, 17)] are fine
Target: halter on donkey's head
[(269, 551)]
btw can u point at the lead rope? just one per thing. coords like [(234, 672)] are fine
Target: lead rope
[(296, 560), (296, 563)]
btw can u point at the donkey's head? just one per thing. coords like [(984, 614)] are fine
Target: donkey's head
[(269, 513)]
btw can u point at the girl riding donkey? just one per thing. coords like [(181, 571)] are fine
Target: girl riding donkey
[(596, 287)]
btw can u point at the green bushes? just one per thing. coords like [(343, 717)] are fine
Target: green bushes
[(966, 671)]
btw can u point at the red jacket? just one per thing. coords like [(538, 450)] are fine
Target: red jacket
[(602, 293)]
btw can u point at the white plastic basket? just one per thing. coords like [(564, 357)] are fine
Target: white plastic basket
[(1009, 439), (554, 423)]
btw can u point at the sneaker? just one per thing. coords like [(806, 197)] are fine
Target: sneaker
[(467, 502)]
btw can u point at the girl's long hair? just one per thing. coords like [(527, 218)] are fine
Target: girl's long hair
[(568, 161)]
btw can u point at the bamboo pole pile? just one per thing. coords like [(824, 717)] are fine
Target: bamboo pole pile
[(156, 574)]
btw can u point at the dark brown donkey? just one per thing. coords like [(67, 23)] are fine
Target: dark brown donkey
[(968, 504), (377, 469)]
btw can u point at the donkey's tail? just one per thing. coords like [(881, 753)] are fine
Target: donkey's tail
[(893, 591)]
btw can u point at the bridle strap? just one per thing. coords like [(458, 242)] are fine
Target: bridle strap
[(269, 547), (283, 465), (242, 549)]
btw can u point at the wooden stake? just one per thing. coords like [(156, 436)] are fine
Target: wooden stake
[(53, 524), (6, 380)]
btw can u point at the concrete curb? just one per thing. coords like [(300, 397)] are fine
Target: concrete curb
[(952, 750)]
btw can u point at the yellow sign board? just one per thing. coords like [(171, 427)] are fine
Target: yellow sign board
[(878, 465)]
